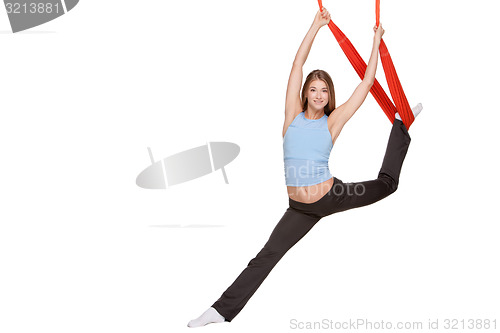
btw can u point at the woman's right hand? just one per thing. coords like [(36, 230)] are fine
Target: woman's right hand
[(322, 18)]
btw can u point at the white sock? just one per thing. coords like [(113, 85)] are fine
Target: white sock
[(209, 316), (416, 110)]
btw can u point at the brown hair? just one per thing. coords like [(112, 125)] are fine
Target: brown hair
[(319, 74)]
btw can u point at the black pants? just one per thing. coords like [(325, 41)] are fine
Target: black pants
[(299, 218)]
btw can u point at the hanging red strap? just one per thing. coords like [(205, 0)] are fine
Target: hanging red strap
[(360, 67), (395, 87), (397, 93)]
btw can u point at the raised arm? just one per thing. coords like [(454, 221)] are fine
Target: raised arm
[(345, 111), (292, 102)]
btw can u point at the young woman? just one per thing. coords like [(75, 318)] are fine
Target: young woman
[(312, 124)]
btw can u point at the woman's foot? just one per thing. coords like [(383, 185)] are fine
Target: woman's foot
[(209, 316), (416, 110)]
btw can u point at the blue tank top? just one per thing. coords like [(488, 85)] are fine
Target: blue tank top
[(306, 148)]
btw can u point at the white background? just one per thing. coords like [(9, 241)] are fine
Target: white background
[(83, 249)]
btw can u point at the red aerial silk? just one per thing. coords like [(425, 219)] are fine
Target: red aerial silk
[(397, 93)]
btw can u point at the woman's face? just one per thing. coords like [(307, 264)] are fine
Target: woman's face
[(317, 95)]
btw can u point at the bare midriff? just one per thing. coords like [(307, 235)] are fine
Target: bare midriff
[(309, 194)]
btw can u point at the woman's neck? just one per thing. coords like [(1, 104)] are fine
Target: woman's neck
[(313, 115)]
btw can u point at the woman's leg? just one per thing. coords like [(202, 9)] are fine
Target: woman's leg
[(301, 217), (344, 196), (289, 230), (352, 195)]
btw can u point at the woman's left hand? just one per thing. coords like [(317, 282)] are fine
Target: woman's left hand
[(379, 31)]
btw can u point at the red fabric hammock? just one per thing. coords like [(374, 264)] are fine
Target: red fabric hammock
[(397, 93)]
